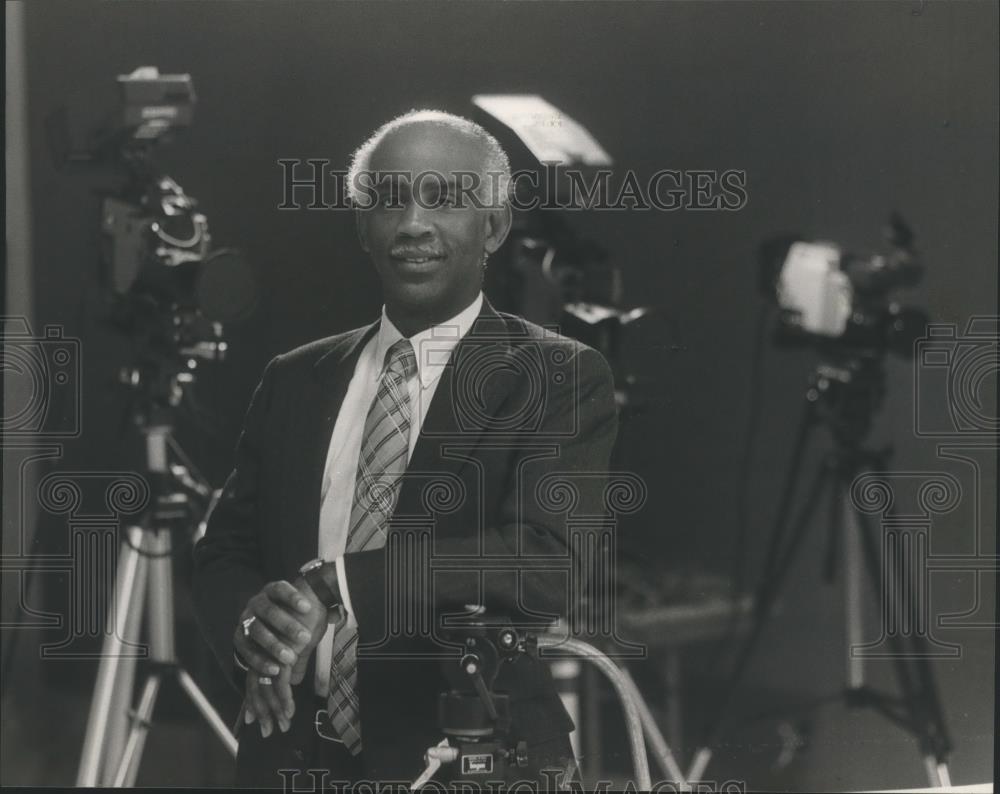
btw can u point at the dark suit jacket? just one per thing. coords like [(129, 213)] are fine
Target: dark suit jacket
[(511, 461)]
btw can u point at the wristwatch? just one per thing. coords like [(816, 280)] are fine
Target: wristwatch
[(312, 572)]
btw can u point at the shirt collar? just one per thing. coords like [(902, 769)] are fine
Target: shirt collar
[(433, 345)]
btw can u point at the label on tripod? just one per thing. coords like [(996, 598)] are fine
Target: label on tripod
[(477, 764)]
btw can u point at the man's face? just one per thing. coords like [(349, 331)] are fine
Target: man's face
[(429, 253)]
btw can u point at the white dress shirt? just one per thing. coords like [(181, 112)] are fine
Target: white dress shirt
[(433, 348)]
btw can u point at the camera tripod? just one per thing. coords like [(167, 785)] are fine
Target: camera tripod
[(116, 733), (844, 397)]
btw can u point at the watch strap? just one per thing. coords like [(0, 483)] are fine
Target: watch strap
[(327, 596)]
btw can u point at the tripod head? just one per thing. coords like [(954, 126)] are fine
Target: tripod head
[(472, 714), (845, 393)]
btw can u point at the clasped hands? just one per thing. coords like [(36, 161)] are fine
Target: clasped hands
[(278, 631)]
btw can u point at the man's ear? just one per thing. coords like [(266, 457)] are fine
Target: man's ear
[(361, 224), (498, 222)]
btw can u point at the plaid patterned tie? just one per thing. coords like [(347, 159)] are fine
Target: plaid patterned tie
[(382, 461)]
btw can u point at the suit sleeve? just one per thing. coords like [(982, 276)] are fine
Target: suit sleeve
[(522, 525), (228, 569)]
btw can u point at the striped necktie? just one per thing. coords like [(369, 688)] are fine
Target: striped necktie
[(381, 463)]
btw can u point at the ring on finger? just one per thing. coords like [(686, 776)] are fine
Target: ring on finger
[(265, 680), (247, 624)]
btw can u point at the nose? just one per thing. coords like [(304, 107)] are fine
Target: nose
[(415, 220)]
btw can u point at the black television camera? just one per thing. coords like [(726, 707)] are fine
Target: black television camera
[(167, 289), (841, 302)]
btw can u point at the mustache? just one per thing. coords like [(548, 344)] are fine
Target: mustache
[(411, 252)]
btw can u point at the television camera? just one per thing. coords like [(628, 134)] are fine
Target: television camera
[(167, 289), (840, 301), (170, 293)]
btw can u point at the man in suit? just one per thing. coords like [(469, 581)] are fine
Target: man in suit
[(392, 475)]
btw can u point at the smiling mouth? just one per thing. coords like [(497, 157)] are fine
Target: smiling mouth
[(416, 259)]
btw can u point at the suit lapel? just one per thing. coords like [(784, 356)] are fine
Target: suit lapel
[(455, 416), (462, 401), (316, 412)]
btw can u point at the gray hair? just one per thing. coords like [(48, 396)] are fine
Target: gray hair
[(495, 165)]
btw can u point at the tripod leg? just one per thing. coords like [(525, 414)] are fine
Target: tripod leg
[(162, 642), (789, 488), (128, 769), (920, 642), (928, 715), (853, 593), (160, 627), (121, 705), (161, 600), (835, 529), (208, 712), (920, 696), (937, 774), (125, 607), (768, 589)]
